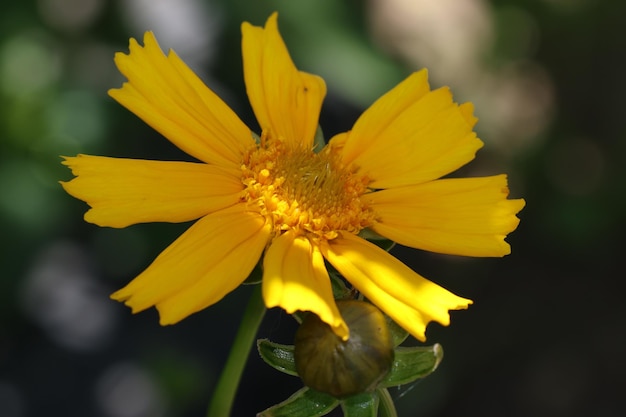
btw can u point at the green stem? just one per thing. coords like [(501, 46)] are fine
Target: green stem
[(224, 394), (387, 407)]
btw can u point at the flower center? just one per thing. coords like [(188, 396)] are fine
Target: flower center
[(298, 189)]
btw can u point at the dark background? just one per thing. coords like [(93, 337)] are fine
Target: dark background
[(546, 334)]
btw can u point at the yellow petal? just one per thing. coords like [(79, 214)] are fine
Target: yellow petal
[(409, 299), (170, 98), (286, 102), (411, 135), (209, 260), (122, 192), (295, 278), (460, 216), (467, 111)]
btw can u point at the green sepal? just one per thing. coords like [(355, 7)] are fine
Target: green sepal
[(398, 334), (318, 142), (376, 239), (386, 408), (361, 405), (338, 285), (412, 363), (256, 276), (303, 403), (279, 357), (257, 138)]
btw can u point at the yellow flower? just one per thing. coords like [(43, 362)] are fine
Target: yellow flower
[(295, 206)]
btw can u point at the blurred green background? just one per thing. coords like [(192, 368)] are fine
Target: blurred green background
[(546, 335)]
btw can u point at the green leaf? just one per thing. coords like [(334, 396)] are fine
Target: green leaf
[(303, 403), (279, 357), (319, 142), (411, 363), (361, 405)]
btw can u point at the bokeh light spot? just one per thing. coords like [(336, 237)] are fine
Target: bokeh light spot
[(70, 14), (126, 390), (28, 65), (62, 295)]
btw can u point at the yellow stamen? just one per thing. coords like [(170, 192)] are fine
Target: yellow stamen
[(298, 189)]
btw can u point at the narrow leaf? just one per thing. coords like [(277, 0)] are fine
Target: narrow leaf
[(303, 403), (279, 357), (361, 405), (411, 363), (387, 407)]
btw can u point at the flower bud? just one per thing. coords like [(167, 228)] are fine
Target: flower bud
[(343, 368)]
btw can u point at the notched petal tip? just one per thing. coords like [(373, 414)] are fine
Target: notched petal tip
[(124, 297), (149, 38), (166, 318), (463, 304), (209, 260), (71, 161), (272, 22), (457, 216), (513, 207), (119, 296), (409, 299), (412, 135), (286, 101), (467, 110)]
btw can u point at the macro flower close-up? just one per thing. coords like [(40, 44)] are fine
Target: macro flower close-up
[(284, 199)]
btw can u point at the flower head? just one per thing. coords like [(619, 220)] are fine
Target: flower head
[(280, 199)]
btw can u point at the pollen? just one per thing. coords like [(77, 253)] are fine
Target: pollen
[(298, 189)]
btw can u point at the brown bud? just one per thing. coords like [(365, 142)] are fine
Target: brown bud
[(343, 368)]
